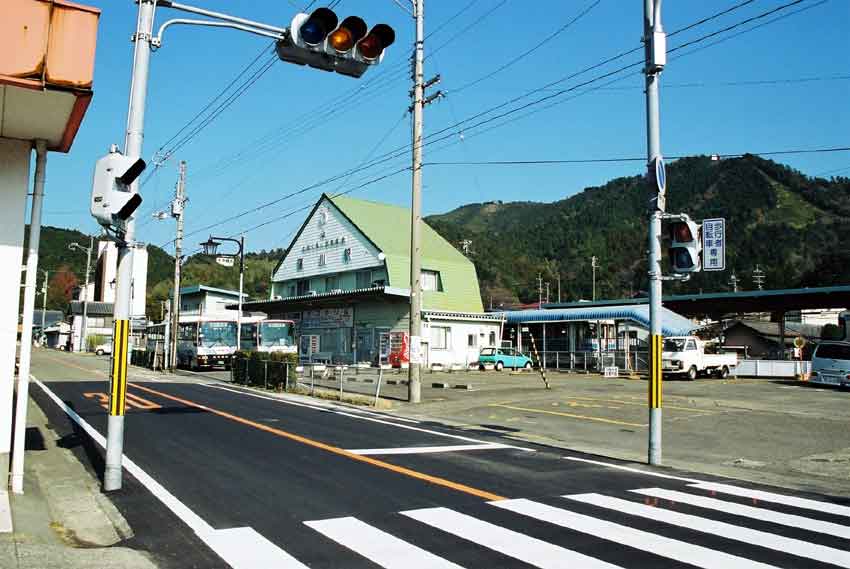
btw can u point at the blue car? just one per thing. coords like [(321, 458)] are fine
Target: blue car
[(501, 358)]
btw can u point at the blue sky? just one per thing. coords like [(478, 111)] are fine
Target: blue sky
[(726, 98)]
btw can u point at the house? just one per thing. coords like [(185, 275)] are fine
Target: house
[(346, 280), (202, 300), (761, 339), (98, 322)]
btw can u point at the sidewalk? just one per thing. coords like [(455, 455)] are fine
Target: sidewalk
[(63, 520)]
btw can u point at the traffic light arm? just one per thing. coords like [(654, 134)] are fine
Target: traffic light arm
[(224, 21), (157, 41)]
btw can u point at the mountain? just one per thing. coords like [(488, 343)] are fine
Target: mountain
[(793, 226)]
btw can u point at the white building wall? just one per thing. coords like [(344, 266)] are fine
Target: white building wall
[(459, 352), (327, 232), (140, 283), (14, 187), (107, 254)]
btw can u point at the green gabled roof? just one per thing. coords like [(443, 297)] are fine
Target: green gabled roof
[(388, 227)]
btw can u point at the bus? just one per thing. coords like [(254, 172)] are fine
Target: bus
[(205, 342), (269, 336)]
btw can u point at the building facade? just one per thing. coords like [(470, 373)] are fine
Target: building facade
[(345, 279), (207, 301)]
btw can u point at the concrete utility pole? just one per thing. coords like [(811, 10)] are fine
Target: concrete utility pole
[(733, 280), (43, 303), (414, 386), (177, 208), (539, 290), (123, 293), (26, 324), (594, 262), (83, 328), (656, 56), (758, 277)]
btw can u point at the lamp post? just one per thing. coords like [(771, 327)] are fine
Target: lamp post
[(211, 248), (88, 250)]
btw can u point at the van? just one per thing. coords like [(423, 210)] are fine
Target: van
[(831, 364)]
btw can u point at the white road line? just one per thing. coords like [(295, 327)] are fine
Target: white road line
[(659, 545), (425, 450), (373, 420), (527, 549), (760, 514), (803, 503), (242, 548), (378, 546), (629, 469), (793, 546)]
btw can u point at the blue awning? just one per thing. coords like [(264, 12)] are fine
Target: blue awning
[(672, 324)]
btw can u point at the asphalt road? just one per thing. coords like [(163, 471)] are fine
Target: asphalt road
[(260, 481)]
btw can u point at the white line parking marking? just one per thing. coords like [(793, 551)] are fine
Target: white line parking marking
[(378, 546), (242, 548), (425, 450)]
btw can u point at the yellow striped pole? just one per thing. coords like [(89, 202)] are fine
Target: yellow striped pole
[(655, 371), (118, 386)]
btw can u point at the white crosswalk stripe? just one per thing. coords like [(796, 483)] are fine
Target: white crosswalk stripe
[(747, 546), (793, 546), (378, 546), (803, 503), (639, 539), (508, 542), (760, 514)]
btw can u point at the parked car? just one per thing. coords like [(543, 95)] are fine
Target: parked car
[(686, 355), (103, 349), (831, 364), (501, 358)]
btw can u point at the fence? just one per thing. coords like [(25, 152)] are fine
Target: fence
[(151, 357), (772, 368), (586, 361), (262, 373)]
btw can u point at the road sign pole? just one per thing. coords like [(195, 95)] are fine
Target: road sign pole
[(655, 55), (123, 294)]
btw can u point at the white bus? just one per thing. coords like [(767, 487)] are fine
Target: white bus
[(205, 342), (269, 336)]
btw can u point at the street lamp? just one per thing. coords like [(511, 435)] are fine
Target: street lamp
[(211, 248), (88, 250)]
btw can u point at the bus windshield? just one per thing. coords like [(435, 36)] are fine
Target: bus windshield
[(214, 334), (276, 334)]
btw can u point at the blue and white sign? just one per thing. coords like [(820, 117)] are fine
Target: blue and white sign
[(714, 244), (660, 175)]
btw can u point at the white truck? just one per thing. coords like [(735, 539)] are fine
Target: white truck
[(685, 355)]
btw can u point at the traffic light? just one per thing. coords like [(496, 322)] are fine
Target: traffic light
[(112, 204), (320, 41), (686, 246)]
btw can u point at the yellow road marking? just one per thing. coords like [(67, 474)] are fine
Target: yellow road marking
[(102, 397), (571, 415), (695, 410), (330, 448)]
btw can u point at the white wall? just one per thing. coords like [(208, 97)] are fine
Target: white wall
[(310, 244), (140, 282), (459, 351), (108, 257), (14, 186)]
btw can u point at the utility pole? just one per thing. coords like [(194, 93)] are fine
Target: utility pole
[(547, 293), (559, 286), (733, 281), (177, 213), (655, 51), (83, 328), (123, 293), (594, 262), (43, 303), (759, 277)]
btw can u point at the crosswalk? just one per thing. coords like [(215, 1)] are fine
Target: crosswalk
[(698, 525)]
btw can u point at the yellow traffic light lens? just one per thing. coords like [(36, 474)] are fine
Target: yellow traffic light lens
[(370, 47), (341, 40)]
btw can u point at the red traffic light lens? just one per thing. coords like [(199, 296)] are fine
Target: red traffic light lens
[(681, 233), (379, 38)]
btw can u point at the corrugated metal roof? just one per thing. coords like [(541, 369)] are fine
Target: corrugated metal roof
[(94, 308), (193, 289), (672, 324), (388, 227)]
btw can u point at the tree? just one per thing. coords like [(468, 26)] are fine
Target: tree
[(61, 288)]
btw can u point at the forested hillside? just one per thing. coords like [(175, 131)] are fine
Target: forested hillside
[(794, 227)]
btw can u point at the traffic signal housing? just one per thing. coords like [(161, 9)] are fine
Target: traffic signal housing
[(319, 40), (686, 246), (112, 203)]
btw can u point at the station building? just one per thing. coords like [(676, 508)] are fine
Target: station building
[(345, 281)]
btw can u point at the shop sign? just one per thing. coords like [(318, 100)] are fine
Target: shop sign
[(328, 318)]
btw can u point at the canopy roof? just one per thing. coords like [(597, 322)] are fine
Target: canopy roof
[(672, 324)]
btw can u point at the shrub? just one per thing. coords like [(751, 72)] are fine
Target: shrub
[(265, 369)]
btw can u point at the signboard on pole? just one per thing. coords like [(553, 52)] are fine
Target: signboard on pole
[(714, 244), (224, 261)]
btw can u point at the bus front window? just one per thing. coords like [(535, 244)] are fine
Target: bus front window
[(217, 334), (276, 334)]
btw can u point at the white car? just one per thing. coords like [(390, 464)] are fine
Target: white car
[(103, 349), (831, 364)]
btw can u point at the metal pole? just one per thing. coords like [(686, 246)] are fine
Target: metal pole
[(84, 346), (177, 212), (44, 306), (26, 329), (123, 295), (414, 386), (653, 32), (241, 283)]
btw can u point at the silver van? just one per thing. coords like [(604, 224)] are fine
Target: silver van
[(831, 364)]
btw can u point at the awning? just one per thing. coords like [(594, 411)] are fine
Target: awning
[(672, 324)]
